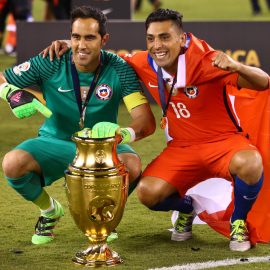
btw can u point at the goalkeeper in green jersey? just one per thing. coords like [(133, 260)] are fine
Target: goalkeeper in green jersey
[(82, 89)]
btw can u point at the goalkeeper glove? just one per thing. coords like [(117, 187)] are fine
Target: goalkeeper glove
[(84, 133), (108, 129), (22, 103)]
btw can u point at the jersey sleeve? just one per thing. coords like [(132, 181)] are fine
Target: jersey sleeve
[(127, 77), (32, 72), (210, 72), (129, 58), (125, 56)]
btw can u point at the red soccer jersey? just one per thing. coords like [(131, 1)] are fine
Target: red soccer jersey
[(199, 112)]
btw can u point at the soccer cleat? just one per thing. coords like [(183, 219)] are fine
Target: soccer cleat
[(45, 225), (239, 236), (112, 237), (183, 227)]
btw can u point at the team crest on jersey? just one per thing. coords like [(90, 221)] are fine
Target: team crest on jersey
[(21, 68), (191, 91), (104, 92)]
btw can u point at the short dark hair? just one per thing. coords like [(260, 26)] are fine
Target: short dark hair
[(161, 15), (85, 12)]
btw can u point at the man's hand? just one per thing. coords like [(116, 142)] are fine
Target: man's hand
[(23, 103), (108, 129), (57, 48), (84, 133), (225, 62), (105, 130)]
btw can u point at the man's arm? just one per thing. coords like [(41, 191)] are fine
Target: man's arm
[(2, 78), (252, 78), (143, 121), (22, 103), (142, 125), (249, 77)]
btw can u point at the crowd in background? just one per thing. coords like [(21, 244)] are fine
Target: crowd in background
[(12, 10), (256, 7), (136, 4)]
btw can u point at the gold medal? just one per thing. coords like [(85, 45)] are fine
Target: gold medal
[(163, 122), (174, 91)]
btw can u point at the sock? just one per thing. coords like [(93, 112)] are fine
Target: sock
[(244, 197), (51, 211), (28, 186), (175, 202), (44, 202)]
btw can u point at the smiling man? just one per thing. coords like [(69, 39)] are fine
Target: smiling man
[(82, 89)]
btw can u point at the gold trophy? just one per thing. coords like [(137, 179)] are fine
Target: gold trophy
[(96, 188)]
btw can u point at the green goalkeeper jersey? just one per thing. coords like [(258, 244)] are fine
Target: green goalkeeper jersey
[(117, 80)]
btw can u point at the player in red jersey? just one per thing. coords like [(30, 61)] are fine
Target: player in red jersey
[(188, 79), (206, 138)]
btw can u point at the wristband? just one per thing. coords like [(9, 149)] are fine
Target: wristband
[(132, 134), (128, 135)]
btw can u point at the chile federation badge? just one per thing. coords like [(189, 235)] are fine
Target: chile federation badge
[(191, 91)]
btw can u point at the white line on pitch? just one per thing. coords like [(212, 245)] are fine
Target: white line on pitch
[(213, 264)]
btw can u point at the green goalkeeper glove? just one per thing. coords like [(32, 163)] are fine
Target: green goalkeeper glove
[(108, 129), (84, 133), (23, 103)]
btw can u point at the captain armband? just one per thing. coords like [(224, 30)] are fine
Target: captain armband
[(135, 99)]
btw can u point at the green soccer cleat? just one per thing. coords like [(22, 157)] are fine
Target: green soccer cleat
[(183, 227), (112, 237), (239, 236), (45, 225)]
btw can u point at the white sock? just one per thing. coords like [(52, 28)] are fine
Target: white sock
[(51, 208)]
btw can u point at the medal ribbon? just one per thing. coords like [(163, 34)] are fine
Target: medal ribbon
[(76, 84), (162, 97)]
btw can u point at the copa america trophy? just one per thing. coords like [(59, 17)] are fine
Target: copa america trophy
[(96, 188)]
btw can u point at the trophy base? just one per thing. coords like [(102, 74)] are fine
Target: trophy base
[(97, 256)]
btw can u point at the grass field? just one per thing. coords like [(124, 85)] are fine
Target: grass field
[(144, 241)]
